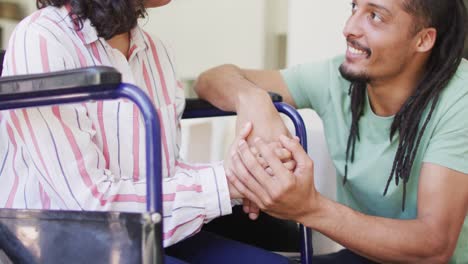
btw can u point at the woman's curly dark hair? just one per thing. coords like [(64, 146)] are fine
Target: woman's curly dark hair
[(109, 17)]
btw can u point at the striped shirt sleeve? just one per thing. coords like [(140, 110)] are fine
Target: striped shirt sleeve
[(210, 180)]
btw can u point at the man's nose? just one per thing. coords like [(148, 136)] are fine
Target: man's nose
[(353, 27)]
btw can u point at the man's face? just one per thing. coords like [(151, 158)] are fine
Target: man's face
[(381, 40)]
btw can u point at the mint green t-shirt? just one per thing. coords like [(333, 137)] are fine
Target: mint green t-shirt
[(320, 86)]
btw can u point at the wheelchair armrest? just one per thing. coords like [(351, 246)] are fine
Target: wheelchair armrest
[(59, 83), (198, 108)]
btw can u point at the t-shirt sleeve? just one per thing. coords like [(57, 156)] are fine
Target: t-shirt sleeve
[(309, 84), (448, 145)]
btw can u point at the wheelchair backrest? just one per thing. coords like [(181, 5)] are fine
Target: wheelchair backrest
[(2, 55)]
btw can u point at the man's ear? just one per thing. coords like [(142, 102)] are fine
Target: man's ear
[(426, 39)]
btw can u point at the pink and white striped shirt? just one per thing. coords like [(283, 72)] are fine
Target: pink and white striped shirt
[(91, 156)]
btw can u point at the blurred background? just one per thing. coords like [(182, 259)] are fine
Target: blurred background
[(257, 34)]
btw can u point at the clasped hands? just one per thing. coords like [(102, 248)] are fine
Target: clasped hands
[(275, 177)]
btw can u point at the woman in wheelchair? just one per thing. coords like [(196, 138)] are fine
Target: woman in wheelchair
[(91, 156)]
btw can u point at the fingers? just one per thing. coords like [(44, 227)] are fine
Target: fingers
[(251, 209), (253, 216), (298, 153), (259, 157), (273, 161), (233, 192), (252, 166), (249, 181), (269, 171), (246, 205), (283, 154), (243, 134), (245, 131), (290, 165), (241, 188), (254, 211)]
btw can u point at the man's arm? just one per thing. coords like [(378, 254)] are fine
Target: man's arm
[(430, 238), (245, 92), (225, 85)]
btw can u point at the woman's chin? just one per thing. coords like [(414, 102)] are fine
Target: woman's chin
[(156, 3)]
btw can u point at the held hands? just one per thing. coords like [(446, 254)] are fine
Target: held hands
[(284, 155), (282, 193)]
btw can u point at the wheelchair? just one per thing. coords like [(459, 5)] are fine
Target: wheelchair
[(47, 236)]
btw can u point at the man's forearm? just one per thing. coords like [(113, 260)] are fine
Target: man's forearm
[(228, 89), (222, 86), (381, 239)]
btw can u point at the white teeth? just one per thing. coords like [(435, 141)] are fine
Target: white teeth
[(356, 51)]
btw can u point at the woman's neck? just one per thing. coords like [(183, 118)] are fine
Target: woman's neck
[(121, 42)]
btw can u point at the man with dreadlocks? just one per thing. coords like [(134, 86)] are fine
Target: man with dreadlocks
[(395, 112)]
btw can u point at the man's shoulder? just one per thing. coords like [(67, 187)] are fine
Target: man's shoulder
[(454, 98), (319, 69), (331, 64), (458, 85), (462, 72)]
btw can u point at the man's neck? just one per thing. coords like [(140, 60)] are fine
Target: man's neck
[(388, 96)]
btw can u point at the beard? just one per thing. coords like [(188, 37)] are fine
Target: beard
[(354, 77)]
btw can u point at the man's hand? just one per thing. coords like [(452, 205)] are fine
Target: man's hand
[(257, 107), (283, 154), (284, 194)]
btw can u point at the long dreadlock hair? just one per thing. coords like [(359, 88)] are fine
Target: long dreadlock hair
[(449, 18), (109, 17)]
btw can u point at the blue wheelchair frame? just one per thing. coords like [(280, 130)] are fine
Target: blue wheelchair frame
[(104, 83)]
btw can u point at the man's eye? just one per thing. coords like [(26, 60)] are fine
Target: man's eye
[(375, 17), (353, 7)]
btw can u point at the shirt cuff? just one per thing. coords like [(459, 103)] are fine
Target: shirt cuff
[(216, 192)]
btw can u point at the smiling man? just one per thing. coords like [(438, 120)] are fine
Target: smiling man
[(395, 112)]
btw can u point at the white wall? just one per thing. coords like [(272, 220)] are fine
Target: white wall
[(27, 6), (207, 33), (8, 25), (276, 33), (315, 29)]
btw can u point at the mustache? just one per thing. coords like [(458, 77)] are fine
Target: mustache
[(357, 45)]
